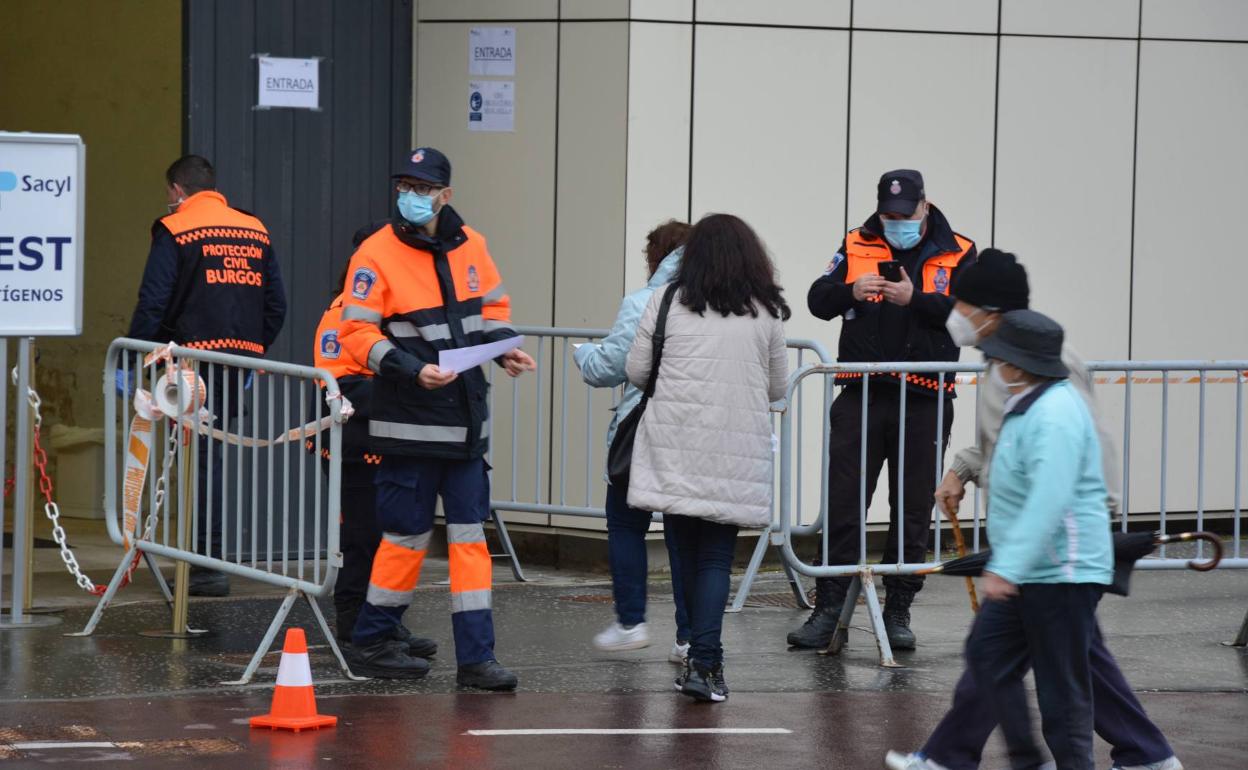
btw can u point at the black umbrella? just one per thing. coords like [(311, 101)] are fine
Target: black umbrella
[(1129, 547)]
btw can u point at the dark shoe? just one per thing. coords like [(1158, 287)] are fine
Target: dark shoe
[(386, 659), (817, 631), (705, 684), (417, 647), (208, 582), (897, 618), (489, 675)]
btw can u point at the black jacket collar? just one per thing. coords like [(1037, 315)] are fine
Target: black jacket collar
[(939, 233), (450, 232)]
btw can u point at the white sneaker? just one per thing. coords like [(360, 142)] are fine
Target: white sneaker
[(617, 638), (895, 760), (1172, 763), (679, 653)]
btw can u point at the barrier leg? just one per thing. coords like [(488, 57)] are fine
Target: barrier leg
[(795, 579), (161, 583), (109, 593), (333, 641), (269, 636), (877, 621), (841, 637), (751, 571), (1242, 639), (508, 549)]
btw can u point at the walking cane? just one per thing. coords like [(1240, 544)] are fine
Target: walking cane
[(960, 542)]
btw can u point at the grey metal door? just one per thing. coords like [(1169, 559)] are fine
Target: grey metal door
[(313, 177)]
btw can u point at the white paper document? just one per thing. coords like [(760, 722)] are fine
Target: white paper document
[(462, 359)]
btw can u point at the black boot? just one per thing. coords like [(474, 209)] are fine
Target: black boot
[(386, 659), (817, 631), (417, 647), (344, 622), (489, 675), (897, 618)]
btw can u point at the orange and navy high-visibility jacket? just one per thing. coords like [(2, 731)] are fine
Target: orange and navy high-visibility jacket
[(874, 330), (354, 381), (211, 280), (409, 296)]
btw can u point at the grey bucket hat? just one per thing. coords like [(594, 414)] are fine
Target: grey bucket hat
[(1029, 340)]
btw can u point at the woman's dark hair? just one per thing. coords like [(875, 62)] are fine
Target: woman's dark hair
[(726, 268), (663, 240)]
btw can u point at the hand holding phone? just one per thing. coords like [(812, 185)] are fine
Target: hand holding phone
[(890, 270)]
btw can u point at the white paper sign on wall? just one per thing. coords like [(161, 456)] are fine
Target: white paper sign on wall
[(492, 51), (491, 105), (42, 205), (289, 82)]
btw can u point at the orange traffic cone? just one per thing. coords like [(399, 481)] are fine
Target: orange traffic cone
[(294, 702)]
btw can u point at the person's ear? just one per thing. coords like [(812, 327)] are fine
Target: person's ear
[(447, 194)]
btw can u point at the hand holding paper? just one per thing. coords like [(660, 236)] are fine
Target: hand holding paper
[(462, 359)]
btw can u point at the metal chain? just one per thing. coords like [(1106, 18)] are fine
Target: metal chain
[(53, 511)]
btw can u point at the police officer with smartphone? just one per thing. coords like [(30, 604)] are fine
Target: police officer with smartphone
[(889, 282)]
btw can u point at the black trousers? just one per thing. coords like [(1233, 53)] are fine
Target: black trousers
[(225, 404), (358, 538), (1052, 627), (918, 482)]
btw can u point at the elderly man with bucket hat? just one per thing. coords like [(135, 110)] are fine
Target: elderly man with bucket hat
[(1052, 557), (988, 290)]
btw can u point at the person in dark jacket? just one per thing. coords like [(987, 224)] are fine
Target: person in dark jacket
[(212, 283), (909, 240)]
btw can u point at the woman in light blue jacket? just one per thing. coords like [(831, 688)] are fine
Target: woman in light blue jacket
[(602, 366), (1052, 554)]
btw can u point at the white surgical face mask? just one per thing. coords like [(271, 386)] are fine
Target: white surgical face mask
[(962, 329), (998, 379)]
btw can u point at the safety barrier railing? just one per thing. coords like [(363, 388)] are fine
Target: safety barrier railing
[(215, 461), (540, 445), (1128, 374)]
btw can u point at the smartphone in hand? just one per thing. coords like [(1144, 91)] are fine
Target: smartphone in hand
[(890, 270)]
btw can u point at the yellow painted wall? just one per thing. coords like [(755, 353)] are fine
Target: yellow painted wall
[(111, 71)]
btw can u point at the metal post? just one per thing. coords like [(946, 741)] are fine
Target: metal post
[(25, 511), (182, 573), (22, 498)]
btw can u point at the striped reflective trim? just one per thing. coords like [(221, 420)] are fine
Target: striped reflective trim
[(408, 330), (384, 597), (411, 542), (472, 600), (409, 432), (294, 670), (494, 295), (493, 326), (361, 313), (472, 323), (464, 533), (485, 429), (377, 352)]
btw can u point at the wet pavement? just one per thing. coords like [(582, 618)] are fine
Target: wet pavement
[(117, 696)]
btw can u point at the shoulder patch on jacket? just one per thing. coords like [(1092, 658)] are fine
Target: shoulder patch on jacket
[(330, 346), (837, 259), (362, 282)]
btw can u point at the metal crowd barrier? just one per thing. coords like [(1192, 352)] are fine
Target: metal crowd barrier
[(279, 514), (1128, 374), (557, 391)]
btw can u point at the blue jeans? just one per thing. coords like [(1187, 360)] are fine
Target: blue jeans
[(626, 545), (705, 552)]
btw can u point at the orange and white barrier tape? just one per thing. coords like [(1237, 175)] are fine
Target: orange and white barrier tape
[(1121, 379)]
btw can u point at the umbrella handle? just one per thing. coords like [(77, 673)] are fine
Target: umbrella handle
[(1214, 560)]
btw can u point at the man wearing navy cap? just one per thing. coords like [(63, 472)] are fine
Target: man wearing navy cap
[(423, 285), (889, 282)]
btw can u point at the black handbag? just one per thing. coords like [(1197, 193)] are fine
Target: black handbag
[(620, 453)]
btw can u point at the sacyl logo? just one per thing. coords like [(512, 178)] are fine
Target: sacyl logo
[(9, 182)]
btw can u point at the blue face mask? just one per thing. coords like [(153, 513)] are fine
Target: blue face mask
[(902, 233), (417, 209)]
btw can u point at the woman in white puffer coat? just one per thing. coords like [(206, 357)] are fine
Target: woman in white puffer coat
[(703, 450)]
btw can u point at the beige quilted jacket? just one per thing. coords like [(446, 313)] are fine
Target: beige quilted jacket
[(703, 447)]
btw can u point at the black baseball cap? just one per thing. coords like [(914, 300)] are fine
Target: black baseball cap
[(899, 192), (428, 164)]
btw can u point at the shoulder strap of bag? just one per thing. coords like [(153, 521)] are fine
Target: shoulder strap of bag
[(660, 333)]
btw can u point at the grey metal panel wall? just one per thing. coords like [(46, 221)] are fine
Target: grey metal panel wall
[(314, 178)]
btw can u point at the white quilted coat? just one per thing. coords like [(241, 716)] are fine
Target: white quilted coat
[(703, 447)]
